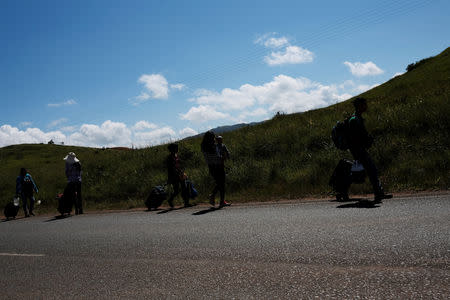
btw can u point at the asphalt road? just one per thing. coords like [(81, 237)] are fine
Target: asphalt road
[(399, 249)]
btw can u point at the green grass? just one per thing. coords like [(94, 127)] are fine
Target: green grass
[(289, 156)]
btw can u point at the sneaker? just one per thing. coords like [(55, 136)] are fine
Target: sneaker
[(224, 203), (32, 213), (379, 198), (342, 198), (171, 204)]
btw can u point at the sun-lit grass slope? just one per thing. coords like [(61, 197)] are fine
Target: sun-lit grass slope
[(288, 156)]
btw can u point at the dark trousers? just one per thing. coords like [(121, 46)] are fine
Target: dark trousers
[(176, 184), (28, 209), (364, 158), (218, 174), (74, 191)]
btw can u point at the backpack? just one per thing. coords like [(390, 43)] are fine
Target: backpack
[(339, 134), (27, 185)]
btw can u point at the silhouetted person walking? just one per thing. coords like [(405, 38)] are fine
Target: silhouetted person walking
[(176, 176), (216, 167), (73, 174), (25, 187), (359, 142)]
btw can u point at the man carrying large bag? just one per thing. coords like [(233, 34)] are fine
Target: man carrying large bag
[(358, 143)]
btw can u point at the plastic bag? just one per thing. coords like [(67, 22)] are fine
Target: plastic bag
[(357, 166)]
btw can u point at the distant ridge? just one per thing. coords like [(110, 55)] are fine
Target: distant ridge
[(228, 128)]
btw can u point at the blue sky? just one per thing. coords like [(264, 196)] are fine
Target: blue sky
[(139, 73)]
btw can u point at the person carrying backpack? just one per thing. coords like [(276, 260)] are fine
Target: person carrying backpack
[(25, 187), (358, 142)]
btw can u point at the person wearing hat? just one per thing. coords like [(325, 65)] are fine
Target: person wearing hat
[(216, 167), (73, 174), (359, 142), (25, 187), (222, 148)]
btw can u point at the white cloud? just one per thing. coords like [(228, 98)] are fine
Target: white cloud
[(57, 122), (156, 84), (276, 42), (157, 136), (142, 125), (283, 93), (65, 103), (177, 86), (109, 134), (270, 41), (203, 113), (11, 135), (186, 132), (157, 87), (228, 99), (398, 74), (143, 96), (258, 112), (291, 55), (69, 128), (363, 69), (114, 134)]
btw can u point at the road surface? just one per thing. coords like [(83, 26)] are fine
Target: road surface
[(399, 249)]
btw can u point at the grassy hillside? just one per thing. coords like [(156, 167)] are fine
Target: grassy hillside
[(289, 156)]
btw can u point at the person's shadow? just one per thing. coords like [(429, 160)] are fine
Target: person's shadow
[(206, 211), (10, 219), (59, 217), (164, 211), (361, 203)]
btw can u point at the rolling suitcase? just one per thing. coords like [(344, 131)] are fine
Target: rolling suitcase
[(11, 209), (156, 197), (346, 173), (65, 202)]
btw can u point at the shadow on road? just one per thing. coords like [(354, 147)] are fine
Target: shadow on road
[(205, 211), (349, 200), (56, 218), (12, 219), (164, 211), (362, 203), (7, 220)]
